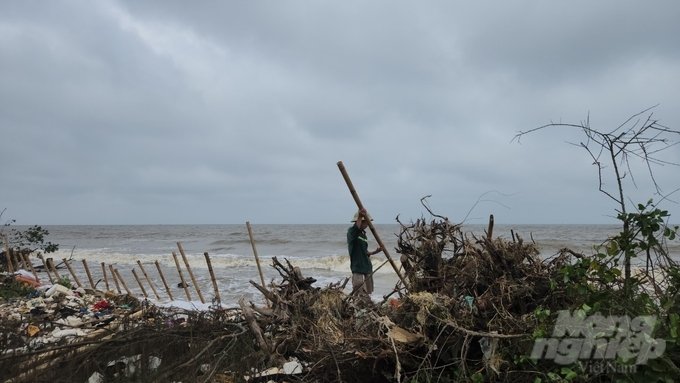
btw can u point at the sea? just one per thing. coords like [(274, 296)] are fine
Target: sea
[(237, 255)]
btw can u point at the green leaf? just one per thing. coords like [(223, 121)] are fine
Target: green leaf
[(596, 306), (613, 248)]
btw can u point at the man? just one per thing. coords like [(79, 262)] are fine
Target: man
[(359, 260)]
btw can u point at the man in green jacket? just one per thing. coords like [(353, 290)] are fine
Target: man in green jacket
[(357, 244)]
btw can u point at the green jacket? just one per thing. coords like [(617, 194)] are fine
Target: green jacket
[(357, 244)]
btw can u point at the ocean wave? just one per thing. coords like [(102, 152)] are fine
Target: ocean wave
[(335, 263)]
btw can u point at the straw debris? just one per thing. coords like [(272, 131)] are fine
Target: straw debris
[(468, 313)]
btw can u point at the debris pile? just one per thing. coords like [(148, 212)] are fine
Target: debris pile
[(467, 310), (59, 334)]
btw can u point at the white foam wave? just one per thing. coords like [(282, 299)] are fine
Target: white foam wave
[(334, 263)]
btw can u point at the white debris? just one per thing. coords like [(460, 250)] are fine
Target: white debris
[(293, 367)]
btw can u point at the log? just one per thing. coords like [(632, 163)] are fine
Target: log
[(267, 294), (254, 327)]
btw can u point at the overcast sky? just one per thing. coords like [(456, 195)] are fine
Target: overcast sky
[(178, 112)]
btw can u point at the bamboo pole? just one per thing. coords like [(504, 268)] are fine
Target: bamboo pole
[(115, 278), (54, 269), (8, 256), (15, 261), (140, 284), (122, 281), (257, 259), (47, 269), (167, 289), (489, 232), (148, 280), (106, 280), (191, 274), (212, 277), (21, 261), (30, 266), (181, 276), (68, 266), (370, 224), (89, 276)]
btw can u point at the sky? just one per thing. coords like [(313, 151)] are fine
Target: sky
[(177, 112)]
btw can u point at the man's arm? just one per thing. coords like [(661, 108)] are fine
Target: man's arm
[(360, 218)]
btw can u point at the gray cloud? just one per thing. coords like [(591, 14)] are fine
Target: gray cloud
[(223, 112)]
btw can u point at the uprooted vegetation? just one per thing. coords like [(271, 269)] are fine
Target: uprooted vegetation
[(471, 311)]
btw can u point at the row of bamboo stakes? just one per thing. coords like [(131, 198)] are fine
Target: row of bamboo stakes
[(24, 262)]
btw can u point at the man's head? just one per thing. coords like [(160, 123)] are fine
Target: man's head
[(364, 222)]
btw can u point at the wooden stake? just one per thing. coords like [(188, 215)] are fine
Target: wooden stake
[(106, 280), (115, 278), (68, 266), (212, 277), (148, 280), (8, 256), (257, 260), (140, 284), (54, 269), (15, 261), (370, 224), (489, 232), (21, 261), (167, 289), (181, 276), (191, 274), (89, 276), (47, 269), (120, 277), (30, 266)]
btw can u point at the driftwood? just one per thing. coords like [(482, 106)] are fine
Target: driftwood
[(468, 312), (462, 290)]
